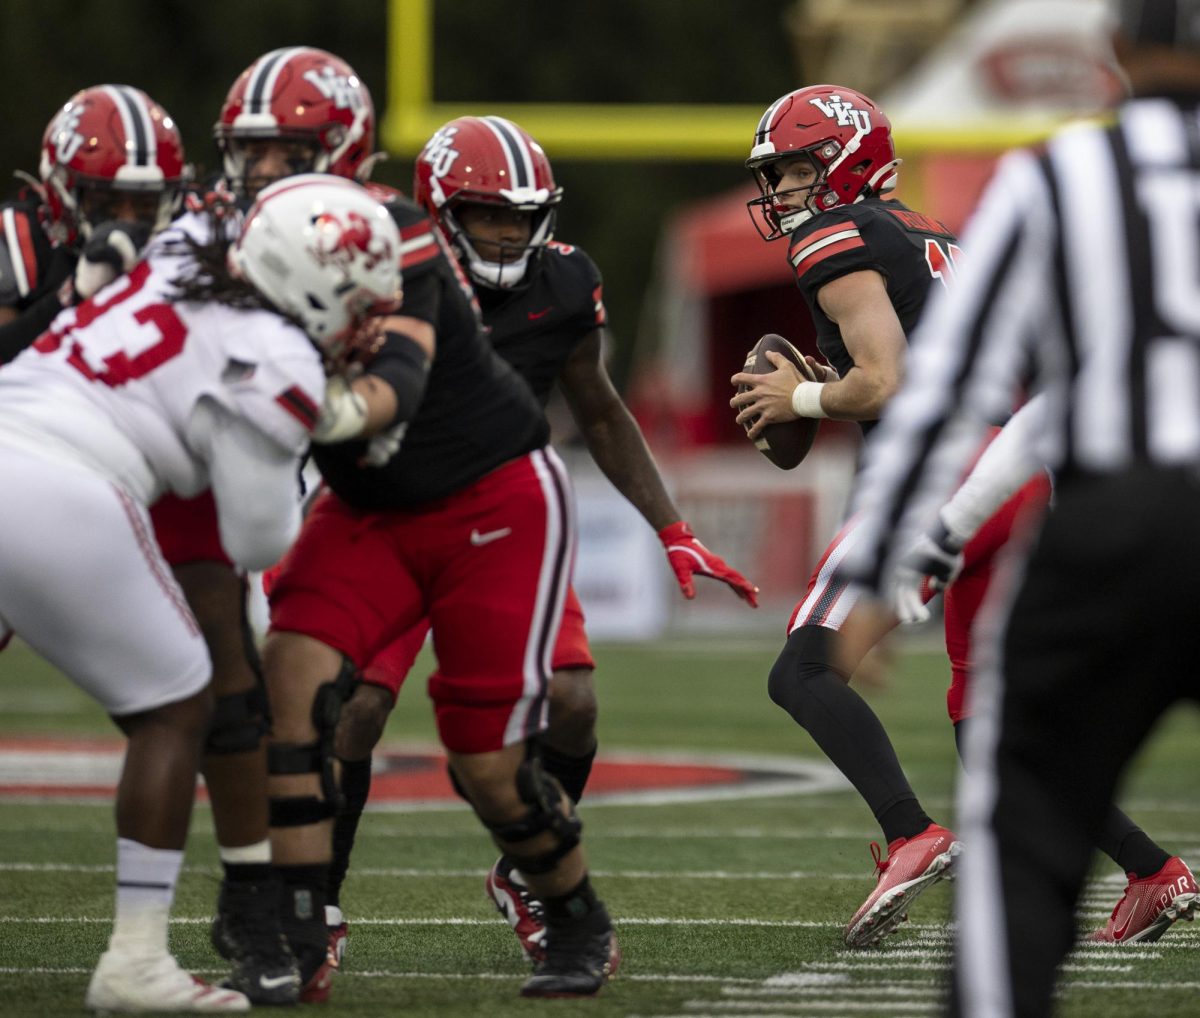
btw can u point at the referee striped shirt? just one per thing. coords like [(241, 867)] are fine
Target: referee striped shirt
[(1081, 269)]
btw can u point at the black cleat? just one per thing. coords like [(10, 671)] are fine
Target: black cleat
[(247, 933), (580, 957)]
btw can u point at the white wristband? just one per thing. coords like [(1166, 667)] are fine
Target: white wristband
[(806, 399)]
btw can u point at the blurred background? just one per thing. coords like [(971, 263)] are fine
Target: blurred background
[(688, 283)]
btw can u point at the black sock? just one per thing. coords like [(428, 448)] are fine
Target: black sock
[(305, 891), (906, 819), (571, 771), (356, 786), (575, 904), (247, 872), (1129, 846)]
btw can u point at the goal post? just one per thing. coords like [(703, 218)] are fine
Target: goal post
[(623, 131)]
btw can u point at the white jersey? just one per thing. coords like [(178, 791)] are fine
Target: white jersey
[(115, 382)]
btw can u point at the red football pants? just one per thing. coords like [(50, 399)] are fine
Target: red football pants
[(487, 566)]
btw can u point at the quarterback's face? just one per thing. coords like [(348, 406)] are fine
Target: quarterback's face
[(793, 172), (498, 233)]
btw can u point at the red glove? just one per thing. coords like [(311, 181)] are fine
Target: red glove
[(688, 557)]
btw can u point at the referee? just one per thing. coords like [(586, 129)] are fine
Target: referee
[(1083, 274)]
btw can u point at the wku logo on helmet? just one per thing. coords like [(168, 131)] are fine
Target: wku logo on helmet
[(67, 139), (846, 115), (440, 152), (341, 242), (334, 86)]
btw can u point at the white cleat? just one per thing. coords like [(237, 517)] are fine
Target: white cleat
[(133, 984)]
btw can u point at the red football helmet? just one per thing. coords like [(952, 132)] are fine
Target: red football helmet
[(305, 95), (488, 161), (849, 141), (108, 143)]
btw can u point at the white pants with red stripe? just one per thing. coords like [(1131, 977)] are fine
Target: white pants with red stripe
[(828, 599), (82, 582)]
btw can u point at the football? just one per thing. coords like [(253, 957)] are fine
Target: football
[(785, 444)]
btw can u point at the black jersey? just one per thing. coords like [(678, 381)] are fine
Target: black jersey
[(537, 327), (476, 412), (908, 249)]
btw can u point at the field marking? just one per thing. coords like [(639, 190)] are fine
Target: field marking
[(875, 1006)]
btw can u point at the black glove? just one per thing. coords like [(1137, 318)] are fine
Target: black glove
[(111, 251)]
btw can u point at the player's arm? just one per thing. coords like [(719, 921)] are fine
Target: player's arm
[(612, 435), (859, 304), (254, 483), (388, 392), (620, 451)]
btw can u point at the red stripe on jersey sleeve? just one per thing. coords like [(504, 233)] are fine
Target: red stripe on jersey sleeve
[(418, 244), (28, 254), (836, 248), (296, 403), (819, 235)]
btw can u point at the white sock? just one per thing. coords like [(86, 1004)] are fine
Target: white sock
[(259, 852), (146, 879)]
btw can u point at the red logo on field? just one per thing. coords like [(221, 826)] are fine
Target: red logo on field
[(89, 769)]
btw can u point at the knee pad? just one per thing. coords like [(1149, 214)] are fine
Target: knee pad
[(543, 795), (314, 757), (239, 721)]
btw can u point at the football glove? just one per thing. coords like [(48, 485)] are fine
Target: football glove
[(343, 413), (111, 251), (688, 558), (931, 564)]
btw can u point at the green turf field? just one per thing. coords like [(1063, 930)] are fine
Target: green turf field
[(723, 908)]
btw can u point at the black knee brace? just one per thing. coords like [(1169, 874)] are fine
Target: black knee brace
[(543, 794), (315, 757), (239, 721)]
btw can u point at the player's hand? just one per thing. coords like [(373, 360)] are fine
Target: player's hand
[(688, 558), (343, 413), (111, 251), (930, 565)]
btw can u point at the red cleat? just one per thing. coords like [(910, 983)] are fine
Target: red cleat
[(1150, 905), (522, 910), (912, 865)]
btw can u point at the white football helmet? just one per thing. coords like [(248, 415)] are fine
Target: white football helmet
[(323, 251)]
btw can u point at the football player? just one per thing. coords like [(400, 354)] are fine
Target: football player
[(110, 174), (436, 441), (181, 375), (293, 110), (824, 162), (491, 190)]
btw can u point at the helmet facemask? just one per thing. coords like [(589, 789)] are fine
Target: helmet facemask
[(781, 212), (515, 260)]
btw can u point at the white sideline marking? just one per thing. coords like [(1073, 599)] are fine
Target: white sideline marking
[(875, 1006)]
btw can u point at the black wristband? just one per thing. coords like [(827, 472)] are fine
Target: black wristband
[(402, 363)]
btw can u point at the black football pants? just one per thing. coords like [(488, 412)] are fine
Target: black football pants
[(1101, 639)]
